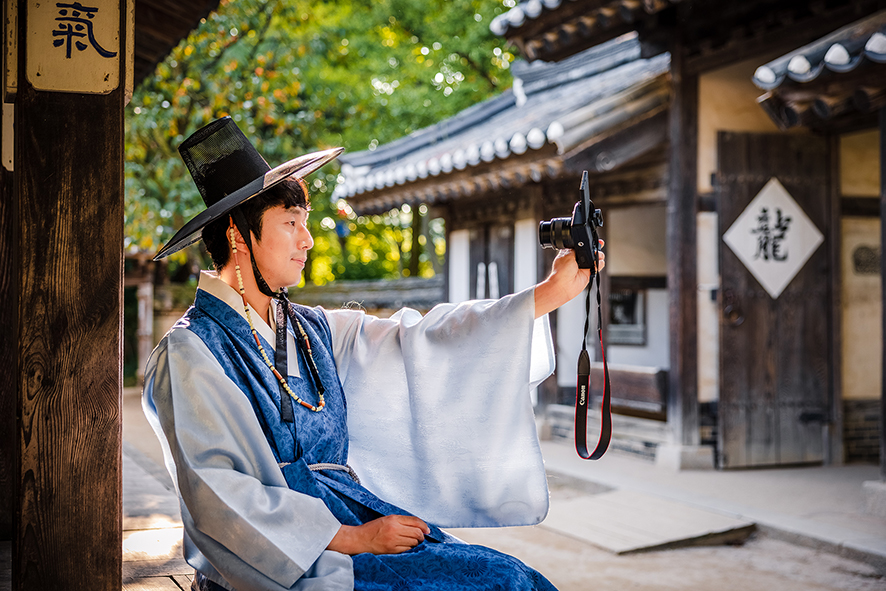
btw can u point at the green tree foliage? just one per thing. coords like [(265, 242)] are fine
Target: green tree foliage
[(304, 75)]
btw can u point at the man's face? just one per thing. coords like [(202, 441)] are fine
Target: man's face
[(282, 252)]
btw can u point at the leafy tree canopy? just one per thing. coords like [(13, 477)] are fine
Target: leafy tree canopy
[(304, 75)]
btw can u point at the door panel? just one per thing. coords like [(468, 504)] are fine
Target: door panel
[(774, 372)]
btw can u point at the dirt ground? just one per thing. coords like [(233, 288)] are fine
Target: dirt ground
[(761, 563)]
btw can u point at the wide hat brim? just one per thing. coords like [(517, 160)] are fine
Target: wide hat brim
[(301, 167)]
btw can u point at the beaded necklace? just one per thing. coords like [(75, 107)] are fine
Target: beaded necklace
[(304, 335)]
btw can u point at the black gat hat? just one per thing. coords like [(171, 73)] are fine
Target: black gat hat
[(228, 171)]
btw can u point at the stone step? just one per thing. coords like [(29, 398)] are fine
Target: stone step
[(624, 522)]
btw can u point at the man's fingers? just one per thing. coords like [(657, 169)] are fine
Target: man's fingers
[(412, 521), (413, 533), (411, 540), (406, 539), (400, 533)]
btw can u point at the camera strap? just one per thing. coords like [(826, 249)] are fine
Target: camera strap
[(583, 387)]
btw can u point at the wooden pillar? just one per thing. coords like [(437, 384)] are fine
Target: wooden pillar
[(883, 288), (415, 247), (67, 260), (681, 249), (833, 427), (145, 331), (548, 392), (7, 345)]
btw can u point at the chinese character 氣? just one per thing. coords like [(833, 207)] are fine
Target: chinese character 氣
[(75, 21), (769, 239)]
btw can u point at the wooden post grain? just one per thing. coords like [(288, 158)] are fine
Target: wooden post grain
[(68, 261), (7, 355)]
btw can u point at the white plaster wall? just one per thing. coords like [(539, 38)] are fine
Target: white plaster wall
[(658, 330), (635, 241), (636, 246), (862, 314), (707, 248), (727, 102), (860, 164), (525, 253), (459, 248)]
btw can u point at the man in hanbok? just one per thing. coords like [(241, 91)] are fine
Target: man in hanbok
[(315, 449)]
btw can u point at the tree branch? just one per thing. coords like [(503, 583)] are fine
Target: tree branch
[(477, 68), (461, 54), (269, 13)]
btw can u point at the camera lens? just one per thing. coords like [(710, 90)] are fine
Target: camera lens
[(556, 233)]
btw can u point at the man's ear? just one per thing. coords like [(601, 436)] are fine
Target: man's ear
[(238, 237)]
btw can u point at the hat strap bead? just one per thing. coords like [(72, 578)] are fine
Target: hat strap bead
[(321, 404)]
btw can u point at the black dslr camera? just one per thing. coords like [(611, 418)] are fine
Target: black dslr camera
[(578, 233)]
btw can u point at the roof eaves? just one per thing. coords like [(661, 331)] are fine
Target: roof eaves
[(392, 151), (842, 51), (538, 76), (567, 23), (508, 175), (594, 119)]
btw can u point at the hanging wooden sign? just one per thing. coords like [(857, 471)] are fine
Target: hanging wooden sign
[(74, 46)]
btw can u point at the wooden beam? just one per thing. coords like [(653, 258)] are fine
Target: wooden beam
[(621, 147), (865, 207), (681, 245), (68, 273), (638, 282)]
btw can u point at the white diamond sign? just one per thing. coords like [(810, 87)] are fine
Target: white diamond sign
[(773, 237)]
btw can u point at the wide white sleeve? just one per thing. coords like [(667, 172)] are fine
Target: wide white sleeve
[(237, 509), (439, 412)]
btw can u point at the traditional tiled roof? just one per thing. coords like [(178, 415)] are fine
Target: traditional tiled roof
[(840, 52), (546, 29), (517, 137), (809, 86)]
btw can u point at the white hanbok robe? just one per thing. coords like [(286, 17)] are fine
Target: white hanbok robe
[(440, 424)]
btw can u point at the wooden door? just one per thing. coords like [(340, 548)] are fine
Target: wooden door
[(774, 351), (492, 261)]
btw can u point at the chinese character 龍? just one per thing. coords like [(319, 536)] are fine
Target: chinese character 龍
[(769, 239)]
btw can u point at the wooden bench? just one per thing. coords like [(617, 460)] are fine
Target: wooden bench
[(636, 390)]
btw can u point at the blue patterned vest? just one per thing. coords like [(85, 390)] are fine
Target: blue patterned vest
[(322, 436)]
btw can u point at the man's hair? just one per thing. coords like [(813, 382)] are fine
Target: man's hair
[(289, 193)]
